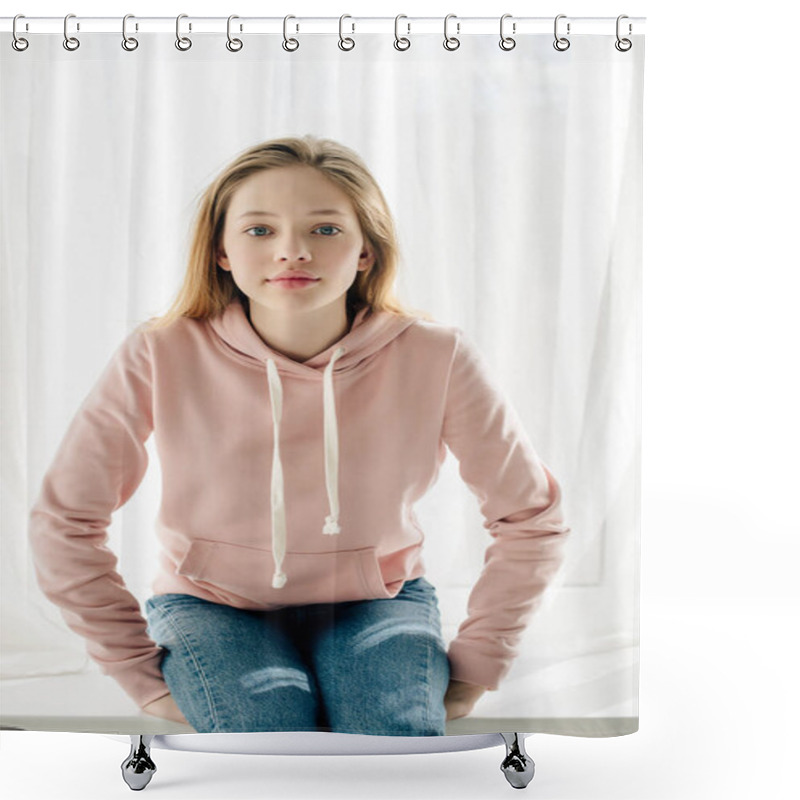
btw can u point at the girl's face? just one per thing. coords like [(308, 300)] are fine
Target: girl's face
[(293, 221)]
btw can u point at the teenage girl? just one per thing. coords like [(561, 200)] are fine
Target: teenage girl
[(298, 412)]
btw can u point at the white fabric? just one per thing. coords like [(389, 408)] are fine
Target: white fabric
[(515, 182)]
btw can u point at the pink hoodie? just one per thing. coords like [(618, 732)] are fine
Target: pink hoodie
[(289, 482)]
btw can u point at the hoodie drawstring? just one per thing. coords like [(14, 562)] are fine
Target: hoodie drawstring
[(331, 464), (276, 494), (331, 447)]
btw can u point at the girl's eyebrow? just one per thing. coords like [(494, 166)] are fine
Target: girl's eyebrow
[(325, 211)]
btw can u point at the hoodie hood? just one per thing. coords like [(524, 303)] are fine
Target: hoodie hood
[(369, 333)]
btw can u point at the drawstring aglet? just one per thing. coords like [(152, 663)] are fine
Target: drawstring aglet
[(279, 580), (331, 525)]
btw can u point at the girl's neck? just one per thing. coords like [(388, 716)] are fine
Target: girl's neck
[(300, 336)]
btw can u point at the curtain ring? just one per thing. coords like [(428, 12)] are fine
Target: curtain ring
[(234, 45), (70, 42), (561, 44), (401, 43), (18, 43), (289, 45), (346, 43), (623, 45), (182, 42), (506, 42), (451, 42), (128, 42)]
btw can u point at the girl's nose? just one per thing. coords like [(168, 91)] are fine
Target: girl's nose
[(290, 247)]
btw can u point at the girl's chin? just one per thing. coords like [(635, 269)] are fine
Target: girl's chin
[(288, 302)]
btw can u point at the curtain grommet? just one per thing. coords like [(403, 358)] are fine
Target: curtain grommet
[(290, 45), (623, 45), (70, 42), (233, 45), (451, 42), (18, 42), (507, 42), (561, 43), (129, 43), (183, 43), (401, 42), (345, 42)]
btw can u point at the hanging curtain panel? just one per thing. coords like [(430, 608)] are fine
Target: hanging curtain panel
[(321, 377)]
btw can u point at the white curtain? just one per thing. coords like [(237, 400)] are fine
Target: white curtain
[(515, 181)]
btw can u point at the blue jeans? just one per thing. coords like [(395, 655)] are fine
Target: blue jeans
[(367, 666)]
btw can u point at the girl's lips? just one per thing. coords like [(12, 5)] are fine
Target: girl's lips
[(294, 283)]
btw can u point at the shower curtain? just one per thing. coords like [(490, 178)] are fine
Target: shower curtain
[(512, 169)]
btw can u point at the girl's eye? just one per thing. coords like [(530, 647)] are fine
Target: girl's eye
[(261, 230)]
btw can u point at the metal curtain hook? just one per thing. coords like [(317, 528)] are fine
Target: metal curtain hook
[(401, 43), (623, 45), (506, 42), (289, 44), (346, 43), (451, 42), (561, 43), (234, 45), (128, 42), (18, 43), (182, 42), (70, 42)]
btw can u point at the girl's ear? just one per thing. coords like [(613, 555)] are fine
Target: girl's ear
[(222, 260), (367, 258)]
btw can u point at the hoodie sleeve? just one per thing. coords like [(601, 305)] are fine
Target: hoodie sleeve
[(97, 468), (521, 503)]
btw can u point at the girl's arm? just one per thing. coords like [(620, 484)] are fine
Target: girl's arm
[(97, 467), (521, 503)]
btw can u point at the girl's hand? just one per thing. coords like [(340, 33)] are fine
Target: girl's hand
[(166, 708), (460, 698)]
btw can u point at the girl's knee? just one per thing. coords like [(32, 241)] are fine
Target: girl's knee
[(281, 710), (415, 713)]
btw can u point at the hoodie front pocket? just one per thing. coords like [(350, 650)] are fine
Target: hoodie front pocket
[(237, 573)]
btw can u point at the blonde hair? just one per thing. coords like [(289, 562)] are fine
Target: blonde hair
[(207, 289)]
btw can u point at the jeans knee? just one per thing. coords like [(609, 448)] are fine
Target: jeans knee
[(399, 714)]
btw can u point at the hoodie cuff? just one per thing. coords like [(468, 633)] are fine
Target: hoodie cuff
[(470, 666)]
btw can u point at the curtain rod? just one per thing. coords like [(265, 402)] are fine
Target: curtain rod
[(326, 25)]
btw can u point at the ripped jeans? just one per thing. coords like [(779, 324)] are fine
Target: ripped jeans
[(369, 666)]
